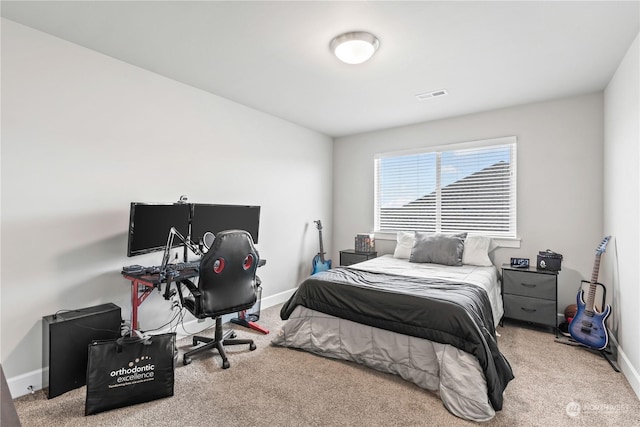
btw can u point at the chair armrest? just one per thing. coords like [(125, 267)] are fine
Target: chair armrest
[(192, 288), (192, 302)]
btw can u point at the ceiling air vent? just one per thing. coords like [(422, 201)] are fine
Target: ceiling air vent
[(427, 95)]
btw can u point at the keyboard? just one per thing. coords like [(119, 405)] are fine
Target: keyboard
[(138, 270), (189, 265)]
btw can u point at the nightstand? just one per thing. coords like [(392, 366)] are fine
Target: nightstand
[(530, 295), (349, 256)]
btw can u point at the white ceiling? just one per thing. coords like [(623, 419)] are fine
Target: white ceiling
[(274, 56)]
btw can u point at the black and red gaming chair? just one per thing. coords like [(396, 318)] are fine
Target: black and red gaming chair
[(227, 284)]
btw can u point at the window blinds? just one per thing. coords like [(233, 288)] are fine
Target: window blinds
[(467, 187)]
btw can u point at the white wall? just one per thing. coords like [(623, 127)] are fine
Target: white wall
[(559, 178), (621, 208), (83, 135)]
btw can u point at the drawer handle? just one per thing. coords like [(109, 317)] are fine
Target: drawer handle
[(528, 285), (528, 310)]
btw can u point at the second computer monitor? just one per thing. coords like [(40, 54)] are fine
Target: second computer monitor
[(217, 218)]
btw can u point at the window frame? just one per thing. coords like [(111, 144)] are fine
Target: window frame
[(506, 240)]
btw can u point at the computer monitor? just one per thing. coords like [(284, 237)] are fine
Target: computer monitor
[(217, 218), (149, 226)]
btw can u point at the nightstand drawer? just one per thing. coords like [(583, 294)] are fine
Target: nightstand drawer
[(530, 309), (349, 256), (529, 284)]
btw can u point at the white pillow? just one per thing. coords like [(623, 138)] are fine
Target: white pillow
[(404, 244), (476, 251)]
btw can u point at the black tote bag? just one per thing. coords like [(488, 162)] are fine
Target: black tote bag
[(129, 370)]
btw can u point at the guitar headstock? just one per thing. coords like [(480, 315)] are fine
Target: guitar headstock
[(603, 245), (318, 224)]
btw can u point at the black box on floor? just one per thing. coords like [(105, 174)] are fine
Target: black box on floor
[(65, 342)]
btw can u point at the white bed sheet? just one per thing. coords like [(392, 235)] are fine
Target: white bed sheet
[(485, 277)]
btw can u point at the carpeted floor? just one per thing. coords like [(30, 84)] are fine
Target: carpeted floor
[(555, 385)]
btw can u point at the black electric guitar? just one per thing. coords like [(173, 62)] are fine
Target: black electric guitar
[(588, 325), (319, 263)]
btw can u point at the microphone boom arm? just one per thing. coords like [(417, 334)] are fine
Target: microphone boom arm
[(167, 249)]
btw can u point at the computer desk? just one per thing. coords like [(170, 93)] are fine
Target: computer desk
[(143, 284)]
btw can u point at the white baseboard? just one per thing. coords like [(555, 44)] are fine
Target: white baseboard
[(276, 299), (629, 371), (25, 383), (19, 385)]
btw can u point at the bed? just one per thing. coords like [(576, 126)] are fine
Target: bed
[(431, 323)]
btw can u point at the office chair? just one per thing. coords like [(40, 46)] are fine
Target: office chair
[(227, 284)]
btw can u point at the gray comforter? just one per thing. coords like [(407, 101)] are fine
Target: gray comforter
[(450, 313)]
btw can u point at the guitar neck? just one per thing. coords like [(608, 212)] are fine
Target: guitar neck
[(591, 296), (596, 269), (321, 247)]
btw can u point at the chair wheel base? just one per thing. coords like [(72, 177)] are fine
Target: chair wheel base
[(218, 342)]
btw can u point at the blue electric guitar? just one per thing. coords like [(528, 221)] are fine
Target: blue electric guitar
[(588, 325), (319, 263)]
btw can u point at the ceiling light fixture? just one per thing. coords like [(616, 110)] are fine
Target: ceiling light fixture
[(355, 47)]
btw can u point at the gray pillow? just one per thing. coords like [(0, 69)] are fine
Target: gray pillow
[(446, 249)]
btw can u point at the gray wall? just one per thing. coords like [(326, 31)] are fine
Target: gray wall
[(559, 178), (619, 268), (83, 135)]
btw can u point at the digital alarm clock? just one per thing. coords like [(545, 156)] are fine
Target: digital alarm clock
[(520, 262)]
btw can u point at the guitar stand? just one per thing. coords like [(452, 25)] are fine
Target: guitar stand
[(249, 321), (606, 353)]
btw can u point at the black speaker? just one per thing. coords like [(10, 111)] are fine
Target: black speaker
[(65, 341)]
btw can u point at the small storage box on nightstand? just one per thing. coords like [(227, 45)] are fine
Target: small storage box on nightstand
[(530, 295)]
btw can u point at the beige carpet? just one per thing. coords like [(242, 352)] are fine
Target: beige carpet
[(275, 386)]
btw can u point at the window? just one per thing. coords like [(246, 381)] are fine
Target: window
[(463, 187)]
